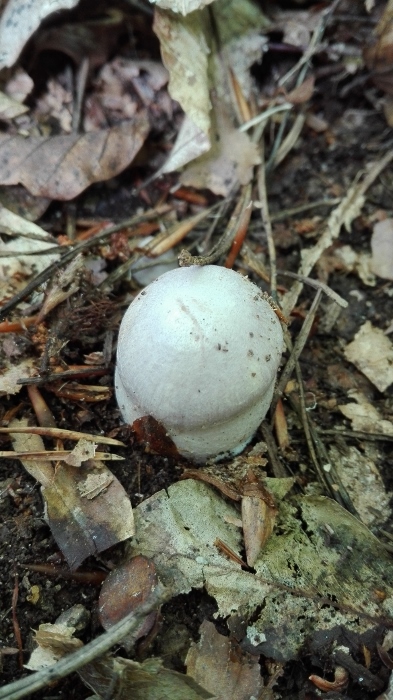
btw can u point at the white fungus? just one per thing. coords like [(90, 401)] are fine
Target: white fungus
[(199, 350)]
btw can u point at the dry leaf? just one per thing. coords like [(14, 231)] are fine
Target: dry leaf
[(382, 249), (229, 161), (177, 528), (82, 451), (10, 108), (219, 664), (60, 167), (54, 641), (364, 416), (83, 520), (20, 257), (81, 525), (122, 679), (360, 476), (182, 6), (302, 93), (11, 372), (124, 590), (379, 55), (180, 38), (193, 82), (19, 21), (372, 353)]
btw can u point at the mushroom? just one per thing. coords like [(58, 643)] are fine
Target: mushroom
[(199, 350)]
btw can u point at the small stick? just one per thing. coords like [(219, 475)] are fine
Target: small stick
[(86, 654), (223, 245), (62, 434), (317, 285), (262, 194), (240, 235), (15, 621), (278, 468), (297, 348), (70, 254)]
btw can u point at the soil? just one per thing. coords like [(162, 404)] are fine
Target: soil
[(321, 166)]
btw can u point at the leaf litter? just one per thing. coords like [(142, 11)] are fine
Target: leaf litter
[(321, 580)]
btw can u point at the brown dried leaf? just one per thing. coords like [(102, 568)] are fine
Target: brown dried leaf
[(302, 93), (124, 590), (222, 667), (60, 167), (54, 641), (230, 160)]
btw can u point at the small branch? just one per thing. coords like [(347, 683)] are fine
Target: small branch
[(15, 621), (92, 650), (349, 207), (70, 254), (186, 259), (317, 285), (262, 194), (297, 349)]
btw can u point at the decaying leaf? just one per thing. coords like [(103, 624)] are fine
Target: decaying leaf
[(125, 679), (371, 352), (82, 451), (60, 167), (224, 155), (10, 108), (382, 249), (22, 255), (317, 552), (379, 54), (18, 22), (124, 590), (222, 667), (53, 641), (87, 509), (183, 6), (180, 38), (11, 373), (229, 161), (364, 416), (258, 516), (361, 478)]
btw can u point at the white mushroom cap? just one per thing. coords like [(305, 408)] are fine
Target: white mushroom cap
[(199, 350)]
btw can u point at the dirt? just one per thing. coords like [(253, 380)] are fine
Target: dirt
[(321, 166)]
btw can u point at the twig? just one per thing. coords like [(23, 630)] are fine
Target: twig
[(349, 207), (357, 435), (317, 285), (159, 244), (277, 467), (297, 348), (70, 254), (262, 194), (92, 650), (224, 244), (241, 233), (311, 48), (288, 213), (15, 622), (62, 434)]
